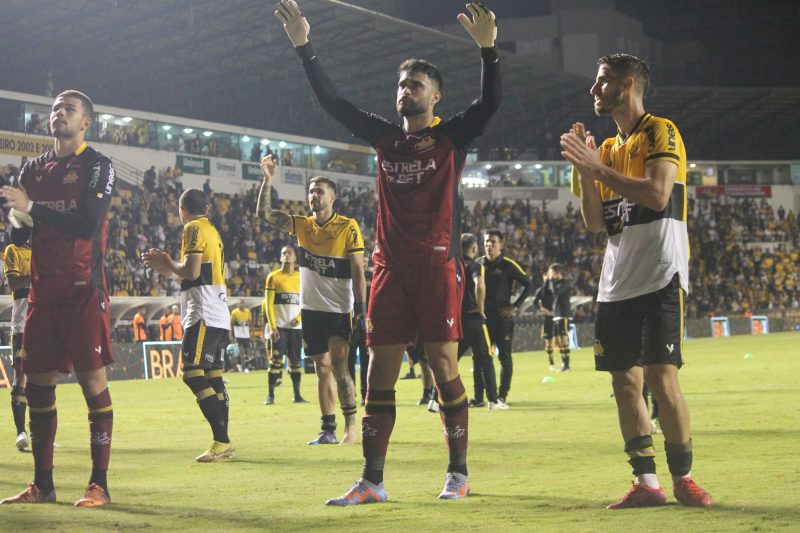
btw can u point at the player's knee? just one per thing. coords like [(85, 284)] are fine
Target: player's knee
[(195, 379)]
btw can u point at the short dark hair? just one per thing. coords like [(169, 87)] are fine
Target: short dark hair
[(426, 67), (558, 268), (628, 65), (194, 201), (88, 106), (495, 233), (467, 241), (326, 181)]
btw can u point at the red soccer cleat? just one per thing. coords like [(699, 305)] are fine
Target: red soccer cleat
[(30, 495), (689, 493), (95, 496), (641, 496)]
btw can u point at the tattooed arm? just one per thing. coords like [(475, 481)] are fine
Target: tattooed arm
[(264, 210)]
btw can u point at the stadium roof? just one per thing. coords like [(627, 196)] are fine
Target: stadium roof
[(231, 62)]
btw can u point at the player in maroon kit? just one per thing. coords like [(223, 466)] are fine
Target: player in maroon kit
[(62, 197), (417, 283)]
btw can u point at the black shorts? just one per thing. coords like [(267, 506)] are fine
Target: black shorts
[(561, 326), (319, 327), (640, 331), (476, 337), (243, 342), (547, 328), (203, 345), (289, 344)]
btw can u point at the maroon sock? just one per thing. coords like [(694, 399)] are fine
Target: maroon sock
[(455, 421), (44, 421), (101, 422), (376, 428)]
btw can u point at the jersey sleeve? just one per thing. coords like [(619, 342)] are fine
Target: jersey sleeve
[(11, 261), (192, 241), (296, 225), (362, 124), (354, 242), (466, 126), (519, 275), (664, 143), (269, 302), (92, 209)]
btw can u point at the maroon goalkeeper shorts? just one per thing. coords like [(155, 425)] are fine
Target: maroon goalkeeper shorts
[(424, 299), (68, 330)]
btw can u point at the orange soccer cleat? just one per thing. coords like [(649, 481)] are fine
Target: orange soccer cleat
[(641, 496), (95, 496), (31, 495), (689, 493)]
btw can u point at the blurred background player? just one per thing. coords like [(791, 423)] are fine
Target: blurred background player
[(561, 289), (358, 342), (634, 188), (473, 322), (503, 277), (165, 325), (68, 323), (282, 302), (332, 286), (543, 303), (17, 270), (241, 320), (417, 281), (176, 322), (206, 322), (140, 325)]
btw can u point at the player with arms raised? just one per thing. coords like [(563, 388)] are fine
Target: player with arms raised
[(417, 282)]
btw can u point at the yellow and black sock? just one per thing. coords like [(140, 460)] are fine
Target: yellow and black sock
[(641, 455)]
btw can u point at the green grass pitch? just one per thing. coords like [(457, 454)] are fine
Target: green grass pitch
[(551, 463)]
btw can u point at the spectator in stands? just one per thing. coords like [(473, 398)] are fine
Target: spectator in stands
[(175, 323), (255, 152), (165, 325)]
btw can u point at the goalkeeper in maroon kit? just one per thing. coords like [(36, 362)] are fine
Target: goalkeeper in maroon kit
[(418, 279), (62, 198)]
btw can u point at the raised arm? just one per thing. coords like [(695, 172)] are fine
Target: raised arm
[(264, 210), (482, 27), (364, 125)]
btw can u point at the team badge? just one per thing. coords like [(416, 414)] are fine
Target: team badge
[(70, 178), (598, 348), (425, 143)]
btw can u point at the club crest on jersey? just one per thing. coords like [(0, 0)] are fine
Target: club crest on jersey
[(425, 143), (70, 178)]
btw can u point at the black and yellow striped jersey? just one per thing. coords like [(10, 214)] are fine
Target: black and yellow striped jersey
[(17, 263), (646, 247), (282, 299), (204, 298), (324, 261)]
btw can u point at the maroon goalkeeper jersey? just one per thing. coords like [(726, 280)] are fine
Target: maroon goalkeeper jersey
[(419, 172), (71, 198)]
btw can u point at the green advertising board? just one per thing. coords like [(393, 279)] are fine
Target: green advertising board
[(193, 165)]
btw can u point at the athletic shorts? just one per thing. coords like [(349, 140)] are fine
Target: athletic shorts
[(203, 345), (243, 342), (640, 331), (561, 326), (320, 326), (547, 328), (68, 330), (424, 299), (289, 344), (476, 337)]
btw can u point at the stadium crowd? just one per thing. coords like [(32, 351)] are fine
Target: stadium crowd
[(744, 253)]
